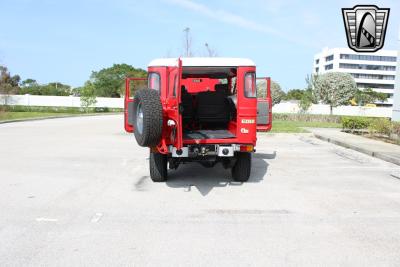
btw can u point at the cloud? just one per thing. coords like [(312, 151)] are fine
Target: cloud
[(236, 20)]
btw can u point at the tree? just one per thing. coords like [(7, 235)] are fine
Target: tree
[(29, 83), (109, 82), (368, 95), (276, 92), (88, 97), (308, 96), (294, 94), (306, 101), (334, 89), (56, 88), (31, 86), (8, 84)]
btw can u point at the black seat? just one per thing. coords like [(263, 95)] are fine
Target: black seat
[(223, 88), (213, 108), (187, 104)]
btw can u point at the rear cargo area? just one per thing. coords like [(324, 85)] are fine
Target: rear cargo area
[(208, 115)]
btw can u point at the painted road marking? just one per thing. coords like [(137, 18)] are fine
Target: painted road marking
[(46, 219), (96, 217)]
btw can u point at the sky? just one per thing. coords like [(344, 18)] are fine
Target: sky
[(65, 41)]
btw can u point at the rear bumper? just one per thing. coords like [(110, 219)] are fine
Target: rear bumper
[(203, 150)]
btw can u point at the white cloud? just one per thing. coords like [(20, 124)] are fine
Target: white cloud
[(236, 20)]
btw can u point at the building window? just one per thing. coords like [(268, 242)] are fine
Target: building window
[(329, 58), (316, 69), (317, 61), (329, 67), (366, 67), (368, 57), (375, 85), (373, 76)]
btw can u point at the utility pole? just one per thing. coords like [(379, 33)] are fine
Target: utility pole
[(188, 42), (211, 53), (396, 94)]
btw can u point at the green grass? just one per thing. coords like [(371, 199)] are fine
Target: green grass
[(30, 112), (279, 126), (5, 116), (69, 110)]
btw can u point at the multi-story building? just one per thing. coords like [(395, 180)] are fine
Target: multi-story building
[(369, 70)]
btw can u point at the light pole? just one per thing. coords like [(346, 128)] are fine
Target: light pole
[(396, 94)]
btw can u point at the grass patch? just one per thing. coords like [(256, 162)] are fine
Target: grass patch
[(29, 112), (6, 116), (69, 110), (279, 126)]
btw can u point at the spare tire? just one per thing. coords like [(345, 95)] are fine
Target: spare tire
[(147, 117)]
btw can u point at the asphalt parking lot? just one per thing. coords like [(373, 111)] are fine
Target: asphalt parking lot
[(76, 192)]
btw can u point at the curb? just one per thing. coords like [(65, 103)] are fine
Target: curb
[(59, 117), (368, 152)]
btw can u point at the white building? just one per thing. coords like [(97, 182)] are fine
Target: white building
[(369, 70)]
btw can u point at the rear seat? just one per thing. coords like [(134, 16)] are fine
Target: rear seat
[(223, 88), (187, 103), (213, 107)]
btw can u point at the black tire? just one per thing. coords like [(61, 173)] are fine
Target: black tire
[(242, 168), (149, 103), (158, 167)]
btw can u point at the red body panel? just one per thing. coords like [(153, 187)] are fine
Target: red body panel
[(266, 127), (197, 85), (246, 133), (129, 99)]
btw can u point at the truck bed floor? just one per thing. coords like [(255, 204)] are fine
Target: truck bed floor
[(208, 134)]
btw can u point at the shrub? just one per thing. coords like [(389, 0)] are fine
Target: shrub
[(381, 126), (396, 128), (306, 117), (356, 123), (104, 109)]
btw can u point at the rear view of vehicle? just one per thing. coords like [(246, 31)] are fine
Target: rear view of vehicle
[(201, 110)]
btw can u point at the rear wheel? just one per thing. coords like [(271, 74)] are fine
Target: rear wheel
[(242, 168), (158, 167)]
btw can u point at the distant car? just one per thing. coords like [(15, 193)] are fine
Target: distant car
[(198, 110)]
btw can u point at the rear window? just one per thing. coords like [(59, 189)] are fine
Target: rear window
[(250, 89), (154, 81)]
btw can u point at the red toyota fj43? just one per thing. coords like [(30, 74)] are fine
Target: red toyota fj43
[(202, 110)]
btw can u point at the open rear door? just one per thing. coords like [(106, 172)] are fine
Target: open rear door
[(264, 106), (131, 85), (173, 104)]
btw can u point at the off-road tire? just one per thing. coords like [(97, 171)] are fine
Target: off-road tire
[(242, 168), (152, 117), (158, 167)]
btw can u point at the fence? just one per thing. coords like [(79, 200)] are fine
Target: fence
[(58, 101), (286, 107), (289, 107)]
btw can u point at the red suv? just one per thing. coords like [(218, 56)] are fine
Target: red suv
[(201, 110)]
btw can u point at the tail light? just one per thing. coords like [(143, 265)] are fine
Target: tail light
[(246, 148)]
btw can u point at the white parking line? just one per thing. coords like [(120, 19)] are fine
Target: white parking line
[(96, 217), (46, 219)]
